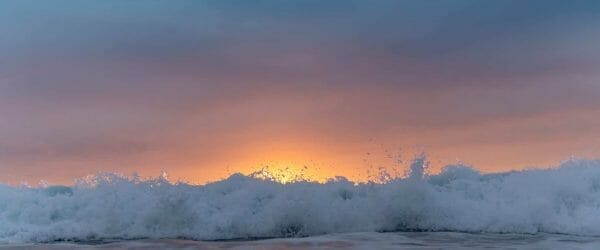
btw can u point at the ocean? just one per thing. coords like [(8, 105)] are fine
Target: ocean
[(367, 241), (458, 207)]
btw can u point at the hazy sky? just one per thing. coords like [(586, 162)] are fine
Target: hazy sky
[(202, 89)]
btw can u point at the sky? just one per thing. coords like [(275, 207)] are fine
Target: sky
[(204, 89)]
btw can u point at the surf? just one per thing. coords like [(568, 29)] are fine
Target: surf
[(560, 200)]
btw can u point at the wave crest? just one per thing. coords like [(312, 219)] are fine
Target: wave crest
[(563, 200)]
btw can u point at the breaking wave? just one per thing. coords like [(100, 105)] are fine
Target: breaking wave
[(565, 200)]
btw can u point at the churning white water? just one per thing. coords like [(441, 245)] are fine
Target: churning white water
[(564, 200)]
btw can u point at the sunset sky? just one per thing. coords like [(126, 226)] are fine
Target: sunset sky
[(203, 89)]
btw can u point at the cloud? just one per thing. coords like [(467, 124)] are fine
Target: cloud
[(119, 82)]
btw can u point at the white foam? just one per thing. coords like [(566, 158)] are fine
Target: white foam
[(564, 200)]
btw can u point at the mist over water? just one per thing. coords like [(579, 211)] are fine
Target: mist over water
[(564, 200)]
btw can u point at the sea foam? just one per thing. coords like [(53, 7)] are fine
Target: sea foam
[(564, 199)]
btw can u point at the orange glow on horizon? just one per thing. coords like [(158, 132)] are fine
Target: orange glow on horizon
[(295, 153)]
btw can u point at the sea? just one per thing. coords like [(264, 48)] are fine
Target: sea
[(457, 208), (364, 240)]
